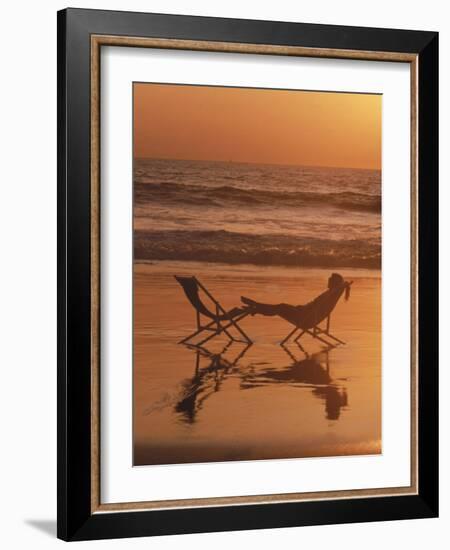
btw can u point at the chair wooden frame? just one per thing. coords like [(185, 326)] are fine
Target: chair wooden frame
[(219, 322), (316, 332)]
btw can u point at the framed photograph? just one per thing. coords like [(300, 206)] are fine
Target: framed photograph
[(247, 254)]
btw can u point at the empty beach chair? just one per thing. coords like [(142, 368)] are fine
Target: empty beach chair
[(220, 320), (307, 318)]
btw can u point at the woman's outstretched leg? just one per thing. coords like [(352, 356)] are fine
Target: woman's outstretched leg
[(266, 309)]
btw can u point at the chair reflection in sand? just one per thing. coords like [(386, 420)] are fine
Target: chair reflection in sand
[(306, 373), (206, 380)]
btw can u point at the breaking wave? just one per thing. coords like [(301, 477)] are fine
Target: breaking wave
[(225, 196), (261, 249)]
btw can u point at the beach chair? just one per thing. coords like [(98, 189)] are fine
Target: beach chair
[(220, 320), (317, 312), (308, 318)]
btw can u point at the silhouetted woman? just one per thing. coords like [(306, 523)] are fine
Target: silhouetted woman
[(308, 315)]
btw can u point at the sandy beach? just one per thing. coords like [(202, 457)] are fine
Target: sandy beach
[(260, 402)]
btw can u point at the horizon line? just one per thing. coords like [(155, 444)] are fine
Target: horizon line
[(258, 163)]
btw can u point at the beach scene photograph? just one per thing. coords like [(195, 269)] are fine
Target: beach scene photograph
[(257, 274)]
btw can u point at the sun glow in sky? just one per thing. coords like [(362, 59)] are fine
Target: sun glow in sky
[(257, 125)]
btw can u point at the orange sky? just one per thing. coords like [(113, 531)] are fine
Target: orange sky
[(254, 125)]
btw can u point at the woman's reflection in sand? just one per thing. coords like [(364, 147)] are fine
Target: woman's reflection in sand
[(335, 399), (310, 372)]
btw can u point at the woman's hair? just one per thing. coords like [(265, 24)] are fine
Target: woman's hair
[(335, 280)]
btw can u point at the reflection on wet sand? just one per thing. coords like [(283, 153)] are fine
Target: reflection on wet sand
[(206, 380), (312, 371)]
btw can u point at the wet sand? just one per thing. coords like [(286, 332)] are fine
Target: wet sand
[(262, 402)]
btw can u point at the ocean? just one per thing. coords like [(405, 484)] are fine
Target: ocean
[(260, 214)]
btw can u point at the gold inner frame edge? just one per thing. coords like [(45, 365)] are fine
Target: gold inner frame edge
[(97, 41)]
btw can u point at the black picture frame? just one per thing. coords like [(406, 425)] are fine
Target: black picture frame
[(75, 518)]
